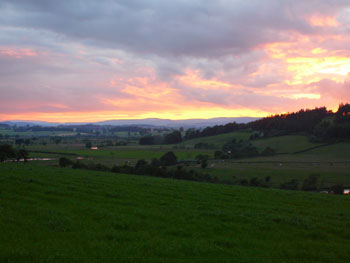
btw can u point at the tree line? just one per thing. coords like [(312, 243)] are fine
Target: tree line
[(156, 167), (319, 123), (8, 153)]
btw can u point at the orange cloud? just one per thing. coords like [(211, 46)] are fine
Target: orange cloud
[(192, 78), (323, 21)]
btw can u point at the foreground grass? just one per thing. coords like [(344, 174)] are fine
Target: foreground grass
[(62, 215)]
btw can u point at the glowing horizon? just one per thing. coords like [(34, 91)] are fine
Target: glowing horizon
[(80, 62)]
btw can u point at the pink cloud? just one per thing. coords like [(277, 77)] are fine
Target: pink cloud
[(18, 52)]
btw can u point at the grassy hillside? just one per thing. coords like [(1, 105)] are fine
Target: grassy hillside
[(219, 140), (339, 151), (62, 215), (280, 172), (281, 144), (285, 144)]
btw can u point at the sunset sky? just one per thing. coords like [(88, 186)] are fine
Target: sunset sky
[(89, 60)]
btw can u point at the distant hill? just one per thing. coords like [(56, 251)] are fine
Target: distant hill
[(188, 123), (30, 123)]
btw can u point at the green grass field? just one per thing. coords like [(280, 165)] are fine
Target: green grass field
[(136, 153), (329, 174), (49, 214), (331, 162), (339, 151)]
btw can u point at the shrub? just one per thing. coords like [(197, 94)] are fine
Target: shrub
[(173, 137), (290, 185), (311, 183), (64, 162), (204, 163), (147, 140), (168, 159), (338, 189), (268, 152), (6, 152)]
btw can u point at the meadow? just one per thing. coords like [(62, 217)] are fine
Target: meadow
[(50, 214), (296, 158)]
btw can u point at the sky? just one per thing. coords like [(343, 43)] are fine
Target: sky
[(88, 60)]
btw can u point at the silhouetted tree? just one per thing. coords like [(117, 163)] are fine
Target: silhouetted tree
[(6, 152), (204, 163), (310, 183), (64, 162), (168, 159), (173, 137), (21, 154), (338, 189), (290, 185), (147, 140), (88, 145)]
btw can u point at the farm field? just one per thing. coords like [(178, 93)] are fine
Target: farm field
[(146, 153), (54, 214), (331, 163), (279, 172)]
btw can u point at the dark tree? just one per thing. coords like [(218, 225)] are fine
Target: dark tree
[(201, 157), (173, 137), (301, 121), (19, 142), (268, 151), (290, 185), (338, 189), (21, 154), (27, 141), (310, 183), (220, 155), (168, 159), (239, 149), (204, 163), (155, 162), (64, 162), (343, 114), (6, 152), (88, 145), (140, 164), (147, 140)]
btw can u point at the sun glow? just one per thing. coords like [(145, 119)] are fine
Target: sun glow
[(188, 113), (323, 21)]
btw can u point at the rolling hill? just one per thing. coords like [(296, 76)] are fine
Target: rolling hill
[(49, 214)]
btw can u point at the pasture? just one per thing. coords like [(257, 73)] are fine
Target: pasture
[(52, 214)]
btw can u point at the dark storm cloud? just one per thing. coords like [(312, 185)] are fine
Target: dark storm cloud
[(190, 28)]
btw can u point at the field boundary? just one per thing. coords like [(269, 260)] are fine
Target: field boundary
[(61, 153), (312, 148)]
